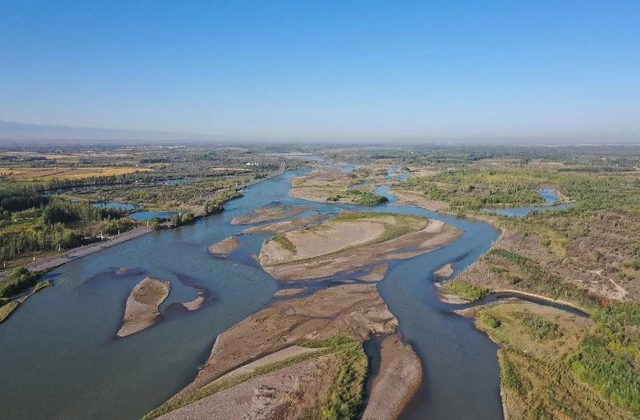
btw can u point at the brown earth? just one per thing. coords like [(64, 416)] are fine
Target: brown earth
[(225, 247), (356, 309), (410, 198), (290, 292), (434, 236), (142, 305), (263, 214), (377, 273), (445, 271), (322, 184), (286, 225), (280, 395), (398, 381)]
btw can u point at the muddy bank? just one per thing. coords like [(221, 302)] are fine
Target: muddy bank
[(290, 292), (398, 380), (377, 273), (445, 271), (267, 213), (142, 305), (225, 247)]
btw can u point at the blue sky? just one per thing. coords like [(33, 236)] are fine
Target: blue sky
[(448, 69)]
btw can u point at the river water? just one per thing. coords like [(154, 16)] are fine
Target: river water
[(59, 358)]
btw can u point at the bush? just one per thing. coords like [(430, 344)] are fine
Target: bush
[(466, 290), (540, 329), (490, 321), (18, 281)]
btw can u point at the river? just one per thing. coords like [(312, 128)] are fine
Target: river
[(60, 359)]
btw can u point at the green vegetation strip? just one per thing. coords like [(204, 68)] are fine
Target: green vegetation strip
[(466, 290), (608, 359), (282, 240), (7, 309), (343, 401), (347, 393)]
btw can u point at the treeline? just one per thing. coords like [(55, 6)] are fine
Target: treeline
[(217, 204), (18, 198), (36, 237), (62, 211), (67, 183)]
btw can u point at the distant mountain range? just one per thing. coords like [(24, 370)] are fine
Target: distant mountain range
[(15, 131)]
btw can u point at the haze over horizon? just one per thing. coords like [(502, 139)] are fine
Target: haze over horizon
[(543, 71)]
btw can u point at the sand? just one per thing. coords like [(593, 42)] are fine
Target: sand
[(354, 308), (263, 214), (333, 237), (286, 225), (290, 292), (377, 273), (436, 235), (410, 198), (445, 271), (225, 247), (282, 395), (142, 305), (398, 381)]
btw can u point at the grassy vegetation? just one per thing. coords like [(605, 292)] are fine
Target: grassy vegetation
[(342, 402), (530, 276), (490, 321), (282, 240), (347, 392), (609, 358), (540, 329), (466, 290), (539, 349), (7, 309), (42, 285)]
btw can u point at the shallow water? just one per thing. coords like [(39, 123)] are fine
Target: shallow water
[(549, 197), (60, 359)]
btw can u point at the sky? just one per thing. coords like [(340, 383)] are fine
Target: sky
[(327, 69)]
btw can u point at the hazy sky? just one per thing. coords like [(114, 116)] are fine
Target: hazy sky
[(326, 69)]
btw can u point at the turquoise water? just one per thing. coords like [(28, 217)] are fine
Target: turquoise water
[(60, 359)]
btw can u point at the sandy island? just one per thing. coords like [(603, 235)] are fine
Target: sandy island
[(263, 214), (352, 241), (225, 247), (142, 305)]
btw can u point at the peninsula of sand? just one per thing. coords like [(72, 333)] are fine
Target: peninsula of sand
[(311, 337)]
